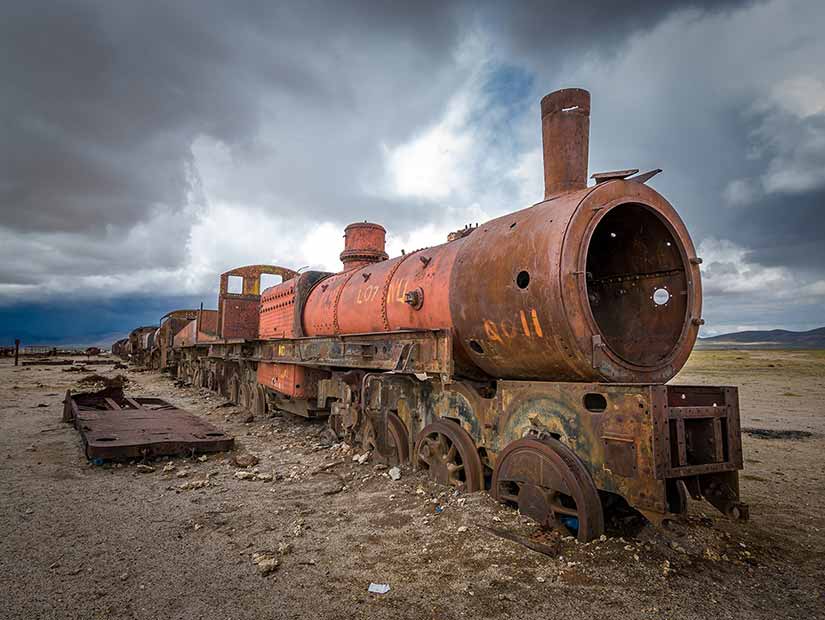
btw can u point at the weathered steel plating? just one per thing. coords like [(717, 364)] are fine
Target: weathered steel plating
[(115, 426)]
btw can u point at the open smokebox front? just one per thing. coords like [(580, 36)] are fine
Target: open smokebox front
[(637, 284)]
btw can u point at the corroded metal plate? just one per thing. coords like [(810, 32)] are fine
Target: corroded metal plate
[(115, 426)]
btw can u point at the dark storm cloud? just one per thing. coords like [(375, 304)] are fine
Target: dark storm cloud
[(782, 221), (122, 121), (102, 102), (785, 230), (731, 106), (551, 32), (100, 323)]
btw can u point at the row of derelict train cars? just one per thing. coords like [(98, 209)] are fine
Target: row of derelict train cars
[(528, 356)]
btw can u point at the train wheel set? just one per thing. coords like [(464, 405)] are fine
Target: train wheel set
[(528, 356)]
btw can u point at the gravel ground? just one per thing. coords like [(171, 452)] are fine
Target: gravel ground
[(192, 540)]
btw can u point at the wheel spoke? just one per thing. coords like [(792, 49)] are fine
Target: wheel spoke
[(563, 510), (443, 445)]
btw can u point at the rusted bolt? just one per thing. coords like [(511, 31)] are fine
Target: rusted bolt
[(698, 321), (415, 298), (696, 260)]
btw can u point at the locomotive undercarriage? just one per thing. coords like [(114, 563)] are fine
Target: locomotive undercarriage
[(233, 377), (560, 452)]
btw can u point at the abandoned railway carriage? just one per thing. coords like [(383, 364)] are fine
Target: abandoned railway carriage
[(528, 355)]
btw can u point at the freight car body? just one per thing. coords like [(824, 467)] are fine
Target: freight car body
[(528, 356)]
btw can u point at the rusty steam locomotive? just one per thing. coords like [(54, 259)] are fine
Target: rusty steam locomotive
[(528, 355)]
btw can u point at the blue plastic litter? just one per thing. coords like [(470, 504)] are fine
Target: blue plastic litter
[(98, 461), (571, 523)]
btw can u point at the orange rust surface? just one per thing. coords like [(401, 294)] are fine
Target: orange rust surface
[(238, 312), (545, 330), (187, 335), (207, 325), (277, 312), (371, 299), (363, 245), (172, 323), (565, 129), (288, 379)]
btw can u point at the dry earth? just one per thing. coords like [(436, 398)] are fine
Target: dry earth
[(86, 541)]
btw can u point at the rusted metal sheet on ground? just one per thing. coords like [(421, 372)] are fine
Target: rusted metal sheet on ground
[(79, 362), (115, 426)]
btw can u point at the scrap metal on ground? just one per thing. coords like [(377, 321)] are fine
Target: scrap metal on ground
[(115, 426), (87, 362)]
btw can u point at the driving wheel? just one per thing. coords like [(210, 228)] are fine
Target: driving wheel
[(548, 483), (396, 437), (259, 404), (448, 454)]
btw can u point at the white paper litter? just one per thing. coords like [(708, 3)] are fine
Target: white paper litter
[(379, 588)]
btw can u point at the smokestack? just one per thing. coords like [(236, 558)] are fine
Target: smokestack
[(363, 245), (565, 133)]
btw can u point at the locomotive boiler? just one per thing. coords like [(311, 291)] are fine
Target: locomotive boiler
[(528, 355)]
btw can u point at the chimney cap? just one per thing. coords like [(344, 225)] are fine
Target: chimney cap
[(365, 225), (566, 99)]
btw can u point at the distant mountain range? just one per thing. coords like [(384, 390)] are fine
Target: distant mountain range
[(772, 339), (104, 341)]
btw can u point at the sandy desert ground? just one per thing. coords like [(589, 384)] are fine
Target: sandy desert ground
[(186, 540)]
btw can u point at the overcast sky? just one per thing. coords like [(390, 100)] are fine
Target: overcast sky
[(148, 146)]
